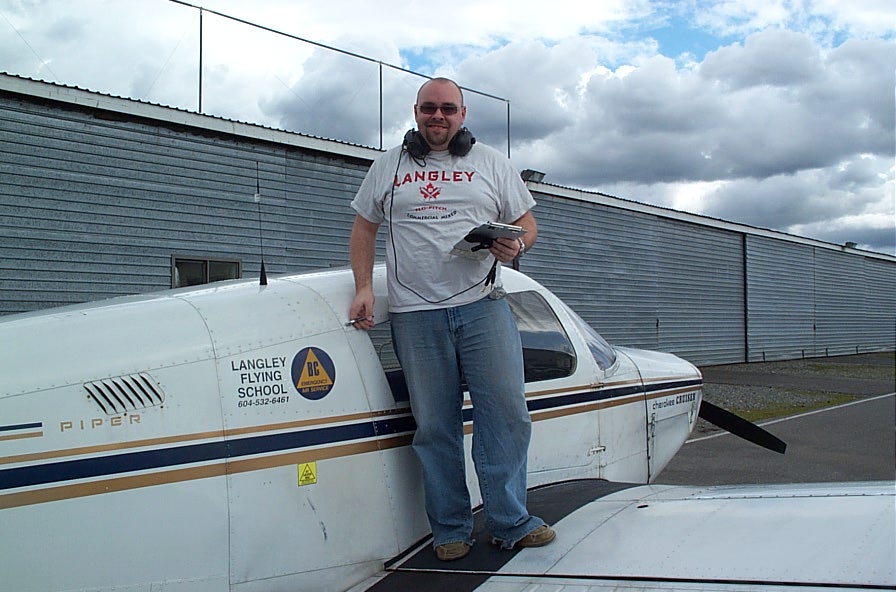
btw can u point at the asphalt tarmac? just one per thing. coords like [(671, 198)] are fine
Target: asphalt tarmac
[(852, 442)]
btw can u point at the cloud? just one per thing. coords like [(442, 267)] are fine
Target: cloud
[(825, 19), (774, 58), (775, 132)]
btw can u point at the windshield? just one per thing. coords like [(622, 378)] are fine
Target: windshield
[(603, 352)]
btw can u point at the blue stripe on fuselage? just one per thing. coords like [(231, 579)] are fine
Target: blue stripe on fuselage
[(21, 426), (116, 464)]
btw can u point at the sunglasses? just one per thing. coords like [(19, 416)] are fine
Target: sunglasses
[(445, 108)]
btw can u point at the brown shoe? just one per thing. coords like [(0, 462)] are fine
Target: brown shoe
[(539, 537), (452, 551)]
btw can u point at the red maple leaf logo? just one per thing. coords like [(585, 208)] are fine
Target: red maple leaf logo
[(430, 191)]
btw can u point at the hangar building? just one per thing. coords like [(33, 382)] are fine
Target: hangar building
[(102, 196)]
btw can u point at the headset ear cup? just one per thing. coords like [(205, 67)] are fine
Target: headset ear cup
[(415, 144), (461, 143)]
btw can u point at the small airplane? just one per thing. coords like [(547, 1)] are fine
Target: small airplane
[(242, 436)]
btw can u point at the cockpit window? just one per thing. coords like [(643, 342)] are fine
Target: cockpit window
[(603, 352), (547, 351)]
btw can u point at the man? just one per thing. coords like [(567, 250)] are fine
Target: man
[(449, 320)]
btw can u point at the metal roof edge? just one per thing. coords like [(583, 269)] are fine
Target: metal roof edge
[(663, 212), (96, 100)]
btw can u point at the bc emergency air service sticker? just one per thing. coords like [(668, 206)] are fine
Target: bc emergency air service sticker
[(313, 373)]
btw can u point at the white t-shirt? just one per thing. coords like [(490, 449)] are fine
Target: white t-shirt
[(429, 208)]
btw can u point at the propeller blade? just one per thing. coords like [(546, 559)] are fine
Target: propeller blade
[(740, 427)]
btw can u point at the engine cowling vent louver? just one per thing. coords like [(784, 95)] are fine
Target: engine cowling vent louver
[(125, 393)]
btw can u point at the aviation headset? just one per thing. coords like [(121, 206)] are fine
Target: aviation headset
[(417, 147)]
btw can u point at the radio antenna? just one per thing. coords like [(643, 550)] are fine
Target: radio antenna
[(263, 276)]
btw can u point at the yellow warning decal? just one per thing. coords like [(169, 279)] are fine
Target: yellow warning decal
[(313, 373), (307, 473)]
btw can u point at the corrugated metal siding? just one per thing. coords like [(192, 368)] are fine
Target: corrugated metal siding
[(92, 208), (840, 305), (700, 292), (856, 306), (807, 301), (780, 299), (879, 305), (94, 204), (643, 281), (318, 218), (599, 260)]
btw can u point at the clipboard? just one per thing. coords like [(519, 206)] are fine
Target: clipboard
[(476, 243)]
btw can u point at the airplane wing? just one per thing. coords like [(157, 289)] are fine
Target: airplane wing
[(615, 536)]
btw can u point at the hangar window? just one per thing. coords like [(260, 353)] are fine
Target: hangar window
[(192, 271)]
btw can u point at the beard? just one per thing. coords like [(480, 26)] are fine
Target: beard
[(437, 137)]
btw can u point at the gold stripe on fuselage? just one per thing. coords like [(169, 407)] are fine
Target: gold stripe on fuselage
[(216, 469), (21, 437), (273, 459)]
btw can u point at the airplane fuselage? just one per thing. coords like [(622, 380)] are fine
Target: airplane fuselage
[(242, 437)]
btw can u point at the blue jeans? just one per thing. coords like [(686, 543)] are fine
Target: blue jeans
[(480, 343)]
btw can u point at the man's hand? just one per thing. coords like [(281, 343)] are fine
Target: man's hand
[(360, 315), (505, 249)]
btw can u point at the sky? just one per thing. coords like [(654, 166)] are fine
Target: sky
[(778, 114)]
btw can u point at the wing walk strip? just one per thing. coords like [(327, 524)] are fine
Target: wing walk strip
[(419, 570), (56, 475), (439, 581)]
